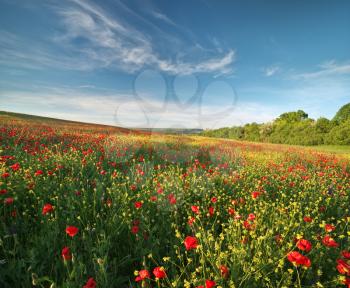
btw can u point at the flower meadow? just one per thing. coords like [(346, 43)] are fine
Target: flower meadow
[(94, 206)]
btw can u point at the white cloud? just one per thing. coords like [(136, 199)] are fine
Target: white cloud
[(94, 39), (329, 68), (119, 109), (271, 70)]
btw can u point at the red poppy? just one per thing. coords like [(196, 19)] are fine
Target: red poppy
[(72, 231), (39, 172), (210, 283), (3, 191), (343, 267), (251, 217), (224, 271), (190, 242), (143, 274), (135, 229), (138, 205), (211, 211), (346, 254), (47, 208), (214, 200), (5, 175), (304, 245), (231, 211), (347, 282), (328, 241), (255, 194), (91, 283), (191, 221), (9, 201), (307, 219), (329, 228), (159, 272), (66, 254), (172, 200), (298, 259), (15, 167), (195, 209)]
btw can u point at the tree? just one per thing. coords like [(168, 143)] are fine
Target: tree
[(343, 114), (323, 125), (297, 116)]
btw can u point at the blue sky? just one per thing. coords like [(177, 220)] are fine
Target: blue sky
[(185, 64)]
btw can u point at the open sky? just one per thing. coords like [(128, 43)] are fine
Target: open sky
[(189, 64)]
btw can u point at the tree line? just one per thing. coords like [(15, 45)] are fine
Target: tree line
[(294, 128)]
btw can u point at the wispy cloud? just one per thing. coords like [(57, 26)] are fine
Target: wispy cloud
[(163, 17), (94, 39), (329, 68), (271, 70)]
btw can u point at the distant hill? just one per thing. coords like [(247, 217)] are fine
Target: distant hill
[(86, 126), (176, 131), (293, 128)]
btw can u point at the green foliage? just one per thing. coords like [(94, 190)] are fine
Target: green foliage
[(293, 128), (343, 114)]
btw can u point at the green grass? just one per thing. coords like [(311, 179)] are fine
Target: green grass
[(339, 149)]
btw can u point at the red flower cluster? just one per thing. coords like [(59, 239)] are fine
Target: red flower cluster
[(298, 259), (158, 272)]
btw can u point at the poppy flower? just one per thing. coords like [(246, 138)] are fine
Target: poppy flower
[(210, 283), (304, 245), (47, 209), (142, 275), (159, 272), (5, 175), (66, 254), (190, 242), (172, 200), (255, 194), (3, 191), (328, 241), (346, 254), (135, 229), (347, 282), (138, 205), (329, 228), (195, 209), (307, 219), (211, 211), (343, 267), (231, 211), (224, 271), (191, 221), (214, 199), (72, 231), (9, 201), (298, 259), (251, 217), (15, 167), (91, 283), (39, 172)]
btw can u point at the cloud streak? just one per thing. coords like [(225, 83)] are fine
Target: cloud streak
[(330, 68), (91, 38)]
